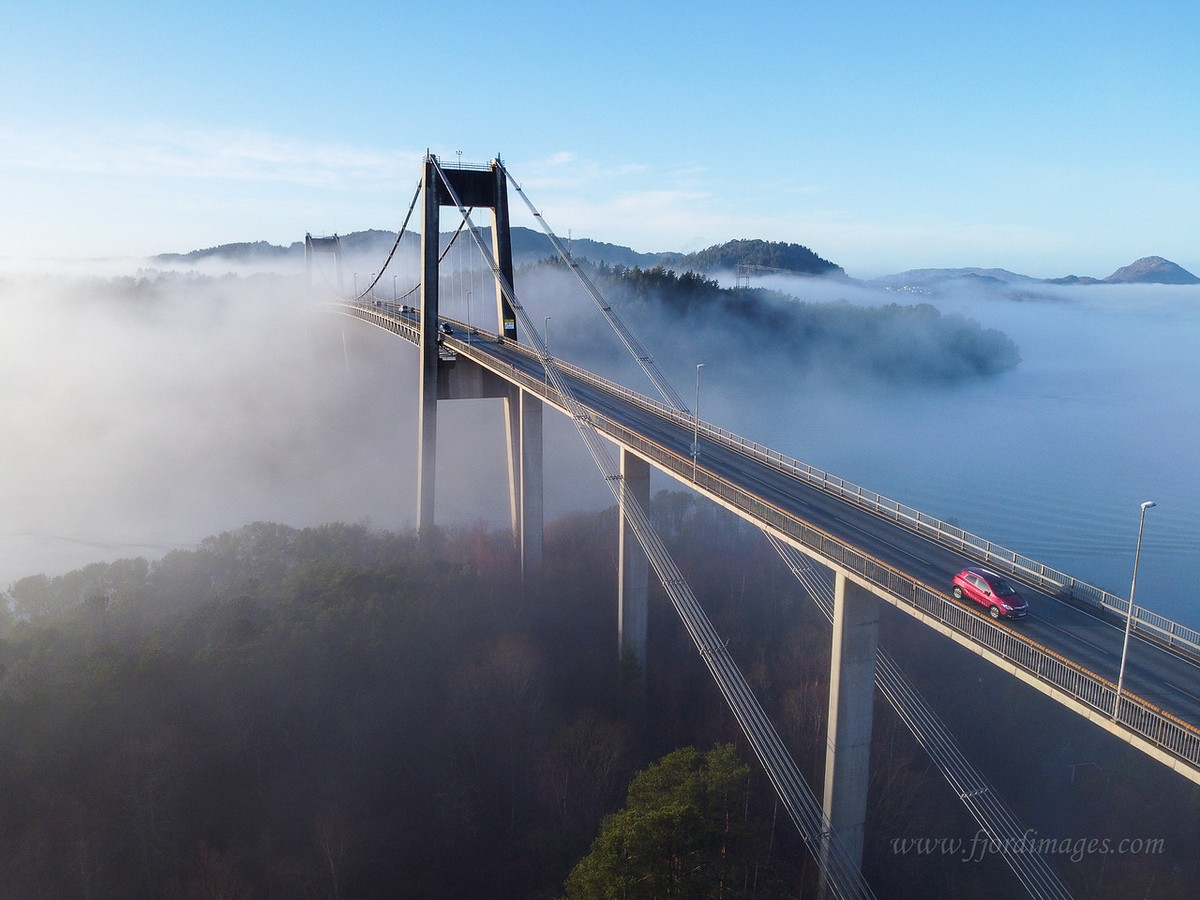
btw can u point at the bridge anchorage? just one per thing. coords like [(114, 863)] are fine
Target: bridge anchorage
[(819, 524)]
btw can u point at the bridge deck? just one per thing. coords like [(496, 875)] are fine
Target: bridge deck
[(916, 568)]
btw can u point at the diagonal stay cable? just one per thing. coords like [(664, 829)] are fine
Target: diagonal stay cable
[(454, 237), (1004, 832), (632, 344), (980, 798), (842, 873)]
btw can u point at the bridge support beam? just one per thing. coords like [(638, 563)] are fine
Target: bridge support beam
[(512, 442), (529, 534), (851, 710), (634, 590)]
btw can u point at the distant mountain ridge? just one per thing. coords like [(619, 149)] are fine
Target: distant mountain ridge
[(531, 246), (1148, 270), (1151, 270)]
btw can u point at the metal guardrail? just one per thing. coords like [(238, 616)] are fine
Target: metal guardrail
[(380, 316), (1156, 726)]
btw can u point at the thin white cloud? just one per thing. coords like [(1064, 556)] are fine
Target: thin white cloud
[(162, 151)]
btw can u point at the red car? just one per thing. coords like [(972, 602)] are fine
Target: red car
[(992, 590)]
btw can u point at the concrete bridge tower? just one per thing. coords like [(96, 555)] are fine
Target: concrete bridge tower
[(442, 379)]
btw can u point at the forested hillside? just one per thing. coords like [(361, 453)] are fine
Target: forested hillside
[(334, 712), (757, 253), (893, 345)]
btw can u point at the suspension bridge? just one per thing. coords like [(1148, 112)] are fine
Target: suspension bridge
[(851, 548)]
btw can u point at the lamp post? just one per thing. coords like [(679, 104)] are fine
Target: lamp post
[(355, 285), (546, 346), (696, 432), (469, 329), (1129, 613), (394, 297)]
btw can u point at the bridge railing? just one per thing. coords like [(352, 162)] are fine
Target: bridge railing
[(381, 315), (1159, 628), (1165, 631), (1159, 728)]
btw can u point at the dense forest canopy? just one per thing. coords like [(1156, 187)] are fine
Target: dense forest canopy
[(337, 712)]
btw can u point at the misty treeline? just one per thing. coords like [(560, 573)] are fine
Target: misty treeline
[(891, 344), (340, 712)]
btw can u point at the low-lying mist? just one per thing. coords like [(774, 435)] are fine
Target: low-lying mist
[(143, 413), (769, 346)]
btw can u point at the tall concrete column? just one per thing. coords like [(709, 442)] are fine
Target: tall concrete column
[(634, 590), (512, 446), (428, 387), (531, 487), (851, 708)]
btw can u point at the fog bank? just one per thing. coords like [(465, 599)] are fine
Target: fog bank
[(142, 414)]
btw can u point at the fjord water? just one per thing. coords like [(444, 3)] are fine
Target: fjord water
[(1051, 459)]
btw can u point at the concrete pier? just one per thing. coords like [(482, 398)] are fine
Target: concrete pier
[(530, 524), (851, 710), (634, 576)]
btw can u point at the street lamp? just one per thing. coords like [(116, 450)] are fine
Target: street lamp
[(394, 297), (468, 314), (696, 433), (1129, 613), (546, 347), (355, 285)]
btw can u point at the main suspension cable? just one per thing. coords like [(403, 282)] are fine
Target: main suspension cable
[(387, 262)]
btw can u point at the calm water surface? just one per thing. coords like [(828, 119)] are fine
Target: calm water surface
[(1054, 458)]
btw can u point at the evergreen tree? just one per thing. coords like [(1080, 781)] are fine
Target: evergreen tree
[(684, 832)]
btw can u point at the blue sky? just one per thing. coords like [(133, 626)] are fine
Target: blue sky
[(1049, 138)]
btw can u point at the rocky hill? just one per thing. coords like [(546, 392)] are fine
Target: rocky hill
[(1152, 270), (1149, 270)]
